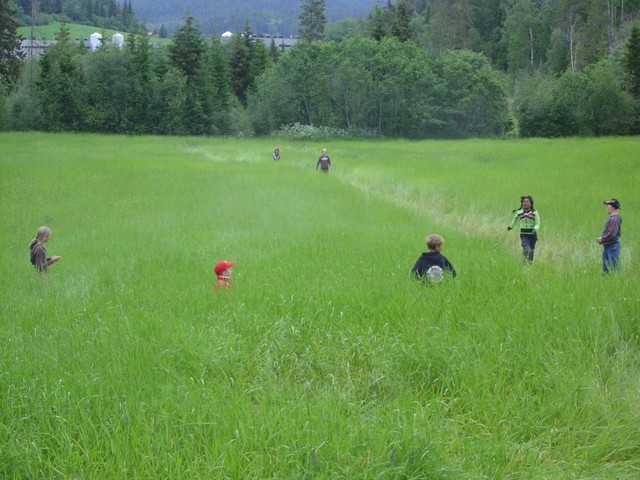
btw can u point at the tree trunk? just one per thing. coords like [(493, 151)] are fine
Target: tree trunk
[(572, 49), (531, 46)]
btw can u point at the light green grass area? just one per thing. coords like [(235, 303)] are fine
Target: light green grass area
[(325, 360), (76, 31)]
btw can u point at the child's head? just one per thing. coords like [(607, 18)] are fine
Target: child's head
[(526, 202), (434, 242), (223, 268)]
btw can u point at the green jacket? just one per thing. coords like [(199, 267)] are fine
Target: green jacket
[(529, 221)]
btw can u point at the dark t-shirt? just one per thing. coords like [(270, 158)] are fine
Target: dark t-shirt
[(324, 162)]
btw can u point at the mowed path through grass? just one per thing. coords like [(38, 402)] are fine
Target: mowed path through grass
[(325, 360)]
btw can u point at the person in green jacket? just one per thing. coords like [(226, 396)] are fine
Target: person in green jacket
[(528, 219)]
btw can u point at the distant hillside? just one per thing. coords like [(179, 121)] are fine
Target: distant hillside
[(76, 32), (265, 16)]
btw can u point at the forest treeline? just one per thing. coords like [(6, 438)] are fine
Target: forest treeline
[(410, 69), (265, 16)]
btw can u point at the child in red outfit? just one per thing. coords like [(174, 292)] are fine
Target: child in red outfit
[(223, 274)]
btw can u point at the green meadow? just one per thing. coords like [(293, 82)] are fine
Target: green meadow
[(326, 360), (76, 31)]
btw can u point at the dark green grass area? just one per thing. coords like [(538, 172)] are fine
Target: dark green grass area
[(325, 360)]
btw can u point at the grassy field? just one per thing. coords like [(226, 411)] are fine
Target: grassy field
[(76, 31), (48, 32), (325, 360)]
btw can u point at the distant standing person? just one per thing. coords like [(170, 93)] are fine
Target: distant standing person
[(276, 154), (528, 219), (223, 273), (610, 238), (38, 254), (433, 265), (324, 162)]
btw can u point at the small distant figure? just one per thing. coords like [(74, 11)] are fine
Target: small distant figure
[(432, 265), (223, 273), (610, 238), (324, 162), (38, 254), (276, 154), (529, 222)]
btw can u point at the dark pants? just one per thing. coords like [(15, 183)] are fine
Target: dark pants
[(528, 246)]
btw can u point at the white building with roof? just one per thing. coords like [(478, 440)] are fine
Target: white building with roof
[(95, 40)]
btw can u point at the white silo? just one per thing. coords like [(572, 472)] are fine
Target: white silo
[(118, 40), (95, 40)]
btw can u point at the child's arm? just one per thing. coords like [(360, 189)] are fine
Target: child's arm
[(513, 221), (449, 266)]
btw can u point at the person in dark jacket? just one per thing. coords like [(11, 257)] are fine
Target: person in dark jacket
[(38, 254), (324, 162), (433, 265), (610, 238)]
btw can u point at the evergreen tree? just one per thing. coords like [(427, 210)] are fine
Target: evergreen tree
[(245, 70), (401, 21), (139, 49), (112, 10), (377, 22), (312, 20), (59, 83), (219, 87), (193, 116), (258, 60), (239, 66), (187, 50), (274, 53), (631, 61), (187, 54), (10, 54)]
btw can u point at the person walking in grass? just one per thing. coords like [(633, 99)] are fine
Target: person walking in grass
[(433, 265), (324, 162), (38, 254), (223, 273), (610, 238), (528, 219)]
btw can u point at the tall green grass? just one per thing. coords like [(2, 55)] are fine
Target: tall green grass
[(325, 360)]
